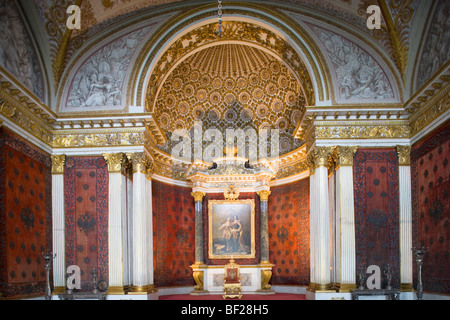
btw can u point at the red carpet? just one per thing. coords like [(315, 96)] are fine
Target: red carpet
[(277, 296)]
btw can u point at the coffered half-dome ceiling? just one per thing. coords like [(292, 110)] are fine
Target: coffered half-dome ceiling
[(231, 86)]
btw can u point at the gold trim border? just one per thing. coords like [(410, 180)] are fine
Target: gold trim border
[(252, 254)]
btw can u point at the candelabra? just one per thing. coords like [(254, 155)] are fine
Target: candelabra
[(48, 257), (388, 274), (361, 278), (419, 254), (94, 281)]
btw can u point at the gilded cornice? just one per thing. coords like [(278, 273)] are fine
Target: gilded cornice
[(369, 130), (25, 117), (429, 104), (99, 138)]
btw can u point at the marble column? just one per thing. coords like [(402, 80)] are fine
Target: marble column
[(197, 271), (345, 219), (266, 272), (264, 225), (322, 240), (406, 257), (117, 232), (140, 282), (58, 225), (199, 254)]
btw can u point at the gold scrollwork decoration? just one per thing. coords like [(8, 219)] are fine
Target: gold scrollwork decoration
[(266, 275), (198, 277), (231, 193)]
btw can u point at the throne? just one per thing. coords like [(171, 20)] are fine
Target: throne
[(232, 281)]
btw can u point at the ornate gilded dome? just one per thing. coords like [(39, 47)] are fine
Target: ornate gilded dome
[(231, 86)]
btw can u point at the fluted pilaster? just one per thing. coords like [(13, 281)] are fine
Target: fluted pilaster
[(406, 258), (117, 233), (140, 277), (321, 221), (58, 222), (345, 219)]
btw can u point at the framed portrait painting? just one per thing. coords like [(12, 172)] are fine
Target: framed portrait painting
[(231, 229)]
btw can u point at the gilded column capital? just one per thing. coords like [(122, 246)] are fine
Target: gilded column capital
[(115, 161), (150, 169), (139, 162), (344, 155), (404, 155), (58, 162), (264, 195), (311, 163), (198, 196), (321, 156)]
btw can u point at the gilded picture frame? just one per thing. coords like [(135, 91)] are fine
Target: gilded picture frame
[(231, 229)]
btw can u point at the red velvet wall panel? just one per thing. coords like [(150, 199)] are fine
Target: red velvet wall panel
[(289, 233), (430, 176), (173, 235), (220, 196), (376, 190), (86, 209), (25, 216)]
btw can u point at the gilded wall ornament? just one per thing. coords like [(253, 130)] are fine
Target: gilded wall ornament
[(231, 193), (139, 162), (344, 155), (322, 156), (404, 155), (310, 162), (58, 162), (264, 195), (198, 196), (115, 161)]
